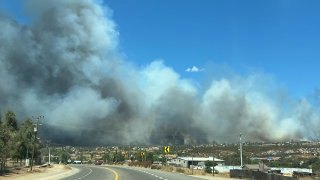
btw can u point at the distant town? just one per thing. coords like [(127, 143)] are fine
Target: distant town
[(22, 148), (301, 155)]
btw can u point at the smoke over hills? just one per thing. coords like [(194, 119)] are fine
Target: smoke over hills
[(65, 65)]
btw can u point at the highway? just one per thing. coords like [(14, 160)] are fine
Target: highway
[(90, 172)]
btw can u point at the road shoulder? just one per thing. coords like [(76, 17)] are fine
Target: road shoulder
[(212, 177), (57, 171)]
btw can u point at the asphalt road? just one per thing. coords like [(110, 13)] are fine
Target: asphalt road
[(133, 173), (90, 172)]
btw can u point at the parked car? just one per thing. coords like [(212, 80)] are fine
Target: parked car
[(98, 162)]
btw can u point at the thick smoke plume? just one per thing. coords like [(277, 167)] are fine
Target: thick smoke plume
[(65, 65)]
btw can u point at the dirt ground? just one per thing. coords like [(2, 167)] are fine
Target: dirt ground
[(46, 173)]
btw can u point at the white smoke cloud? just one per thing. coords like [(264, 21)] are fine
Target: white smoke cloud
[(157, 79), (65, 65), (233, 108)]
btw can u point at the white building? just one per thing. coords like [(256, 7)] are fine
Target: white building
[(291, 170), (195, 161)]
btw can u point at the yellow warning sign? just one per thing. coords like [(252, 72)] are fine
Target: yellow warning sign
[(167, 149)]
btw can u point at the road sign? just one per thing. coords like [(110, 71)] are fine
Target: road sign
[(167, 149)]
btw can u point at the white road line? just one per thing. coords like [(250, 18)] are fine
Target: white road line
[(90, 171), (151, 174)]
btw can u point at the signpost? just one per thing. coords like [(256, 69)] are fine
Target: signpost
[(142, 155), (166, 150)]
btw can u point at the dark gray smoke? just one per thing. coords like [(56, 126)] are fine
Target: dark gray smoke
[(65, 65)]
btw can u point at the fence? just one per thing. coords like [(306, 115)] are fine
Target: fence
[(258, 175), (225, 169)]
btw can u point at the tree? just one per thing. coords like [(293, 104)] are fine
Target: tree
[(8, 135), (234, 159), (149, 157), (65, 156), (314, 163), (118, 157), (208, 165), (11, 121), (4, 146), (15, 143), (138, 156), (81, 157), (24, 140), (91, 156)]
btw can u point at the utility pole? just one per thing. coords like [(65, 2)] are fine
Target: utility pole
[(192, 165), (35, 138), (49, 155), (241, 151), (212, 159)]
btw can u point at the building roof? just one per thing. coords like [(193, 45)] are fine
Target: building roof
[(200, 159), (260, 167)]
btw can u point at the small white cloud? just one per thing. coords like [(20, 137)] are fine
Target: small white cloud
[(194, 69)]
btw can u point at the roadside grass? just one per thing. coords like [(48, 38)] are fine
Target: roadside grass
[(182, 170)]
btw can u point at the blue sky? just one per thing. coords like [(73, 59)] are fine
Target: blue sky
[(277, 37)]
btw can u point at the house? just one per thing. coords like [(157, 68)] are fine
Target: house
[(195, 161)]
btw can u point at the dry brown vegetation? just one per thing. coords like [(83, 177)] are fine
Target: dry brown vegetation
[(145, 164), (182, 170)]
